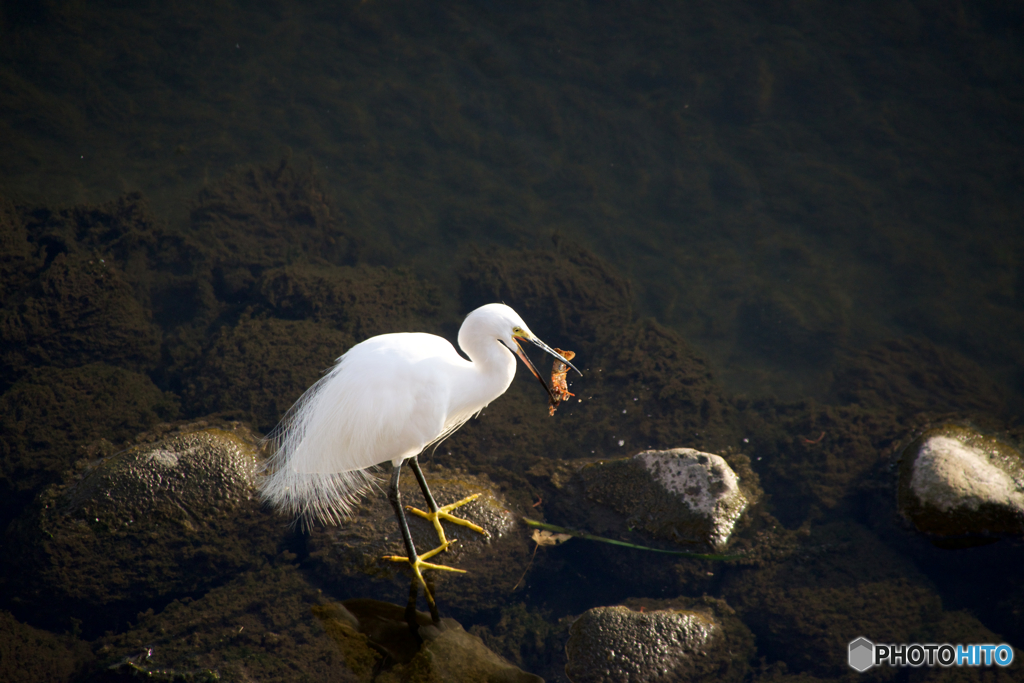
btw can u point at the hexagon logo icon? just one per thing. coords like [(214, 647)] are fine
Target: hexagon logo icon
[(862, 654)]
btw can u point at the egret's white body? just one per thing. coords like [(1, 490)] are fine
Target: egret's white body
[(387, 399)]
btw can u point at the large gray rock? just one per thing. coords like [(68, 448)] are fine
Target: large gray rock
[(680, 495), (169, 517), (957, 483), (696, 639)]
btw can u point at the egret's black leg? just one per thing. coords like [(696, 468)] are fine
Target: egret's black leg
[(415, 561), (414, 464), (395, 496), (411, 614), (437, 513)]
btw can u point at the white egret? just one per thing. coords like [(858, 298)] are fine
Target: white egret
[(388, 399)]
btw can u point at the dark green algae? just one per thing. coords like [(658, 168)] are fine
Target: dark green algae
[(251, 336)]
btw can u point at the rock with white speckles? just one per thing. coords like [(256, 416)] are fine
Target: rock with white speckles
[(690, 641), (957, 483), (680, 495), (166, 518)]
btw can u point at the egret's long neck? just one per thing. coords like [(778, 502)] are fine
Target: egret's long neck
[(493, 367)]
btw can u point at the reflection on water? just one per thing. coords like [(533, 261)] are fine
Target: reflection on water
[(787, 234)]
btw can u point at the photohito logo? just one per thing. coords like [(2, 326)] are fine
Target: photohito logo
[(863, 654)]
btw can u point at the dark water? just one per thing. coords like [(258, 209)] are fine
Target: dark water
[(823, 202)]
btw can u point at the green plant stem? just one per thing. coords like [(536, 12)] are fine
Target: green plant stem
[(591, 537)]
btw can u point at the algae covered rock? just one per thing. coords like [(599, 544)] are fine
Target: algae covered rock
[(260, 626), (266, 216), (680, 495), (449, 653), (163, 266), (168, 517), (910, 375), (794, 323), (687, 642), (29, 654), (439, 651), (351, 554), (361, 300), (380, 646), (49, 415), (78, 310), (957, 483), (835, 580), (19, 259), (258, 367)]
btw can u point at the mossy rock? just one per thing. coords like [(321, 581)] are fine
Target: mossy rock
[(909, 375), (19, 258), (166, 269), (650, 641), (262, 217), (78, 310), (30, 654), (50, 415), (257, 368), (259, 626), (840, 582), (957, 484), (439, 652), (679, 495), (362, 301), (166, 518)]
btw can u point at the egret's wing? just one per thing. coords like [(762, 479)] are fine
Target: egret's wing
[(384, 400)]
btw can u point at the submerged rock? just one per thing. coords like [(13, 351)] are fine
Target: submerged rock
[(30, 654), (441, 651), (821, 586), (956, 483), (351, 554), (260, 366), (688, 642), (680, 495), (78, 310), (48, 415), (259, 626), (163, 519)]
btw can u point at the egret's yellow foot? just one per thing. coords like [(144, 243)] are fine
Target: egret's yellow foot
[(445, 513), (418, 565)]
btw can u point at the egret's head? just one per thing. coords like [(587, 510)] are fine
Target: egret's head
[(506, 325)]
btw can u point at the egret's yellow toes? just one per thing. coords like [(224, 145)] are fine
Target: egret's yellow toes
[(418, 565), (445, 514)]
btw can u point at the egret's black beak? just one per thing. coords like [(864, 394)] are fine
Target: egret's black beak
[(526, 359)]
